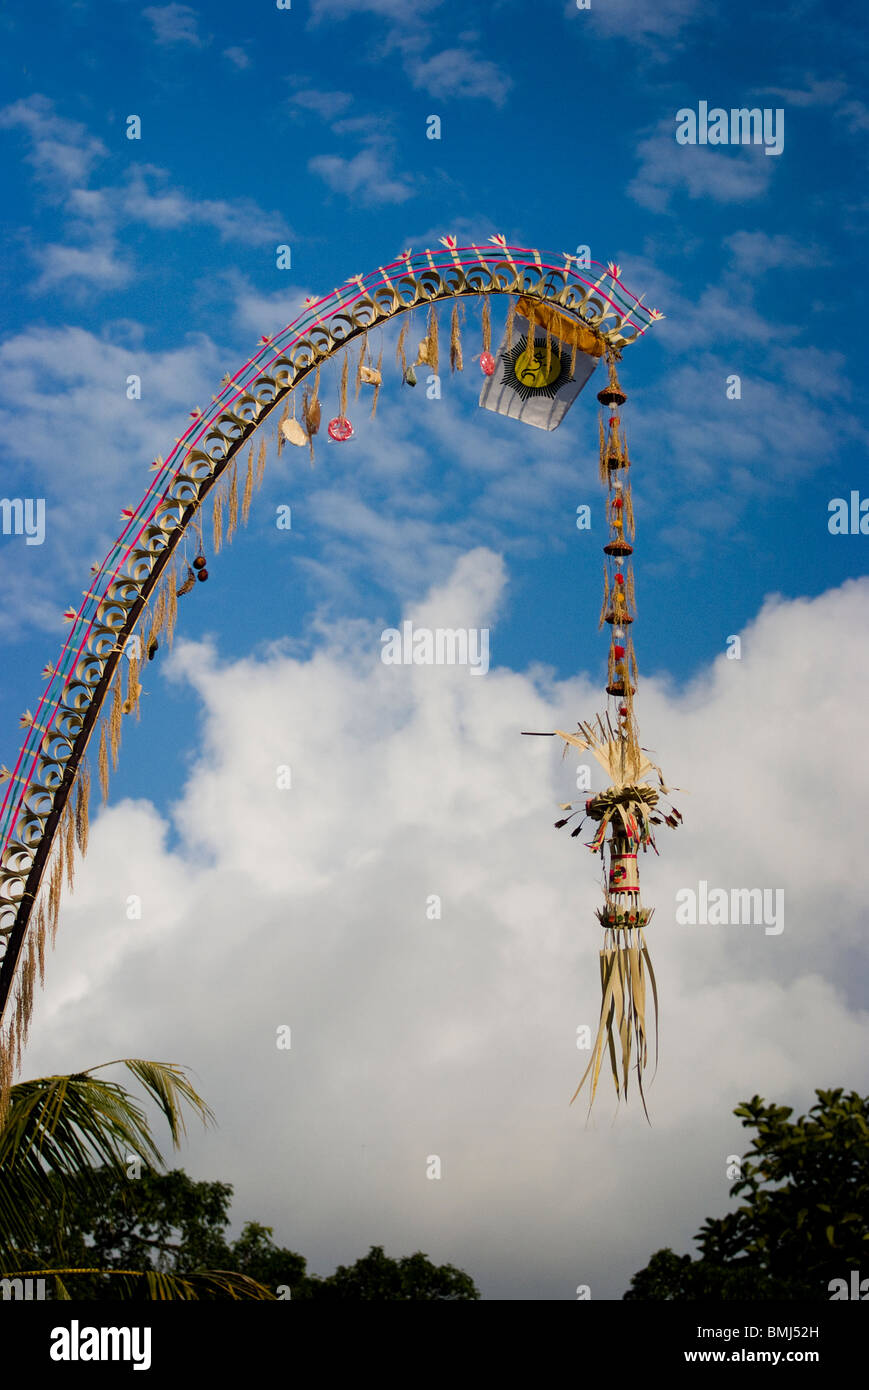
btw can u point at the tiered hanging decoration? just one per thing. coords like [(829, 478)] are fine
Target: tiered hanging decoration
[(631, 805)]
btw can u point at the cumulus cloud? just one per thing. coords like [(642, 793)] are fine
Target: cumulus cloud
[(724, 174), (174, 24), (367, 175), (62, 152), (64, 156), (457, 73), (238, 56), (63, 396), (322, 103), (456, 1036)]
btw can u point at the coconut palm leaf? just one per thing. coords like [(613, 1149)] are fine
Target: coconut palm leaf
[(58, 1128), (160, 1286)]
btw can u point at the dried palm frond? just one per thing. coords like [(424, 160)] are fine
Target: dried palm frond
[(400, 352), (217, 520), (455, 342), (624, 962), (511, 315), (232, 521), (248, 488), (377, 384)]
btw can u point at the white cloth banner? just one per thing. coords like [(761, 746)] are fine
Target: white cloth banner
[(522, 388)]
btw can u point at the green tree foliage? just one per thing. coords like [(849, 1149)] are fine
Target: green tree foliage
[(167, 1223), (376, 1276), (63, 1142), (804, 1219), (83, 1197)]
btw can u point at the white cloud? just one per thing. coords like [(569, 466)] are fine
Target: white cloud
[(86, 266), (815, 94), (454, 74), (63, 395), (656, 27), (367, 175), (324, 104), (397, 10), (238, 57), (723, 173), (258, 313), (62, 152), (174, 24), (147, 198), (757, 252), (411, 1037)]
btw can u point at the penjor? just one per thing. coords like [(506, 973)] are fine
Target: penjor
[(634, 802)]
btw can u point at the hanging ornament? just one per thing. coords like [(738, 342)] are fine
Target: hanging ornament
[(487, 364), (410, 377), (340, 429), (622, 811), (292, 431)]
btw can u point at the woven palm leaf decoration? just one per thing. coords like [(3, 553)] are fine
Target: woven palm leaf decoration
[(637, 799)]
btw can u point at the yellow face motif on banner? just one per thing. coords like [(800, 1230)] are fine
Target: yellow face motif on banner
[(529, 368)]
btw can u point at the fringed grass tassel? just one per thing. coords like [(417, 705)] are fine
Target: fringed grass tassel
[(456, 364), (40, 942), (377, 384), (103, 763), (312, 412), (508, 330), (432, 338), (623, 969), (261, 464), (400, 352), (628, 510), (6, 1074), (217, 520), (54, 887), (342, 399), (232, 522), (115, 718), (281, 440), (171, 605), (573, 357), (68, 832), (548, 351), (606, 597), (487, 325), (159, 616), (134, 689), (359, 364), (248, 488), (82, 819)]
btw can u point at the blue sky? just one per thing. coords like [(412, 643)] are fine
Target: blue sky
[(308, 127)]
